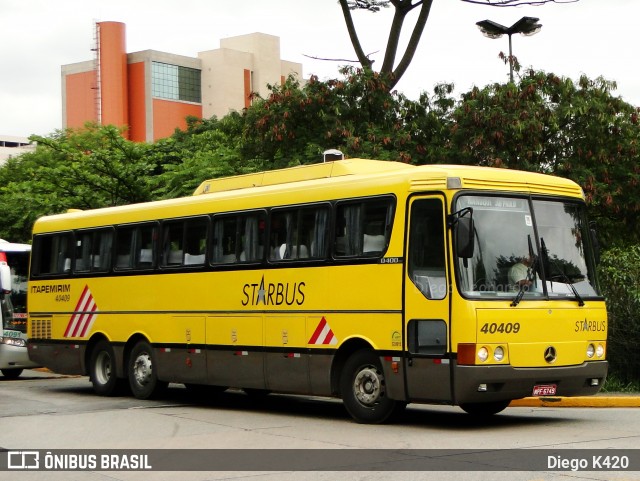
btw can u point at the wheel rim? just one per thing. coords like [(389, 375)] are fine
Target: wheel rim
[(368, 386), (142, 369), (103, 368)]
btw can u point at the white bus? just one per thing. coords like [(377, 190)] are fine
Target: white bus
[(14, 268)]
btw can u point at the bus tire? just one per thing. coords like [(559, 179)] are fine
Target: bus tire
[(485, 409), (13, 373), (142, 372), (363, 389), (102, 370)]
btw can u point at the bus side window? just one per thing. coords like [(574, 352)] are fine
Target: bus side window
[(224, 239), (102, 248), (83, 251), (172, 240), (145, 246), (124, 247), (93, 250), (195, 241), (316, 222), (299, 233), (135, 246), (277, 235), (426, 248), (64, 255), (252, 235), (55, 252), (363, 227)]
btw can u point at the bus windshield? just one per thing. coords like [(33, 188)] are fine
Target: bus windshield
[(534, 248)]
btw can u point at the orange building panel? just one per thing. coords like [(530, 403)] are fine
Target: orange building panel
[(80, 99), (169, 116), (247, 88), (137, 105), (113, 73)]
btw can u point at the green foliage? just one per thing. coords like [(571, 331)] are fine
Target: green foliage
[(619, 274), (553, 125), (542, 123), (294, 125), (86, 169), (356, 114), (207, 149), (614, 385)]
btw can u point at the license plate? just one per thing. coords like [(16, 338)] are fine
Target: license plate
[(544, 390)]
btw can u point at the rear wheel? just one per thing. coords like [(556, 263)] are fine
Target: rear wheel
[(142, 370), (102, 370), (12, 373), (485, 409), (364, 391)]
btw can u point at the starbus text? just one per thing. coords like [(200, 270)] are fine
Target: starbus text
[(273, 294)]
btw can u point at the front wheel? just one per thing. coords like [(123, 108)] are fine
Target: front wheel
[(364, 391), (143, 376), (485, 409)]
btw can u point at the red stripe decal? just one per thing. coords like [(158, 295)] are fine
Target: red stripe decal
[(318, 331)]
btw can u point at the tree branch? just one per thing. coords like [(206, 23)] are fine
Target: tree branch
[(394, 38), (413, 42), (339, 59), (353, 35), (515, 3)]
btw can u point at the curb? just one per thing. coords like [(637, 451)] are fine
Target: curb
[(621, 401)]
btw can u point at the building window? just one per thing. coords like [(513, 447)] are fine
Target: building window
[(173, 82)]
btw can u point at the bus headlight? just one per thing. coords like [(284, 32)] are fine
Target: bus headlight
[(14, 341), (591, 350), (498, 354), (600, 350), (483, 354)]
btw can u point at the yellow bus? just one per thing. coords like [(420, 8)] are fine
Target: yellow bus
[(377, 282)]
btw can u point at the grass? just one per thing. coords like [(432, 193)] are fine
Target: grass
[(615, 384)]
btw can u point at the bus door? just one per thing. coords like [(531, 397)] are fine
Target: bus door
[(426, 300)]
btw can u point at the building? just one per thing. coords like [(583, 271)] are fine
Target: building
[(11, 146), (153, 92)]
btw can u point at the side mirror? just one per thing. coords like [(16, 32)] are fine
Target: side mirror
[(5, 277), (464, 237)]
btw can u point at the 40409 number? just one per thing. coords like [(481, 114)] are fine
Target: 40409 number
[(502, 328)]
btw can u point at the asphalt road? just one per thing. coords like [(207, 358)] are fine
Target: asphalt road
[(48, 413)]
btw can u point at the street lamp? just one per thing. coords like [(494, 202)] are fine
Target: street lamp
[(526, 26)]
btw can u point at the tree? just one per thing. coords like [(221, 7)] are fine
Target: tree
[(83, 169), (554, 125), (619, 274), (390, 69), (206, 149), (402, 8), (356, 114)]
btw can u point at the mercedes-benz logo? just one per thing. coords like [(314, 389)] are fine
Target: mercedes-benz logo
[(550, 354)]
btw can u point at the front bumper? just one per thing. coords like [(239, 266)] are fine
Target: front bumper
[(506, 382)]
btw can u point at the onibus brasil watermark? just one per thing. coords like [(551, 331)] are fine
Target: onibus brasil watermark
[(488, 459)]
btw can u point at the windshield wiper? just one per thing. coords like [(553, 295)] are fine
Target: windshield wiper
[(531, 273), (562, 274), (567, 281)]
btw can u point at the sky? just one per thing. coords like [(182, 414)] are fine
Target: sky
[(591, 37)]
